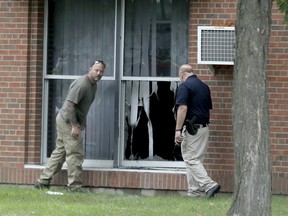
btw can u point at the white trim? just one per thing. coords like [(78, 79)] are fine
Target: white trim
[(122, 121), (174, 170), (153, 164), (115, 44), (44, 158), (136, 78), (43, 151), (72, 77), (216, 28), (88, 164)]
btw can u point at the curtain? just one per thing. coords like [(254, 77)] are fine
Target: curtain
[(137, 34), (179, 34), (155, 45), (156, 37), (80, 32)]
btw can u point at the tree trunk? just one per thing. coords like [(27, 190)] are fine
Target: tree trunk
[(252, 192)]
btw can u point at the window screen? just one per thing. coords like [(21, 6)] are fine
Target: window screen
[(216, 45)]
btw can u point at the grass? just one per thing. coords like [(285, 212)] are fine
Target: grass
[(24, 201)]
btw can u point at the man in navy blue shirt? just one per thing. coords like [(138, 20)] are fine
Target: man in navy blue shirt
[(193, 99)]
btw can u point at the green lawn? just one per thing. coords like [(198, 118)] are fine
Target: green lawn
[(23, 201)]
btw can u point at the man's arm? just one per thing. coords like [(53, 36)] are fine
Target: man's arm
[(71, 116), (181, 115), (70, 111)]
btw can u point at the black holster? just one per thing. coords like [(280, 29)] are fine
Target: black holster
[(190, 127)]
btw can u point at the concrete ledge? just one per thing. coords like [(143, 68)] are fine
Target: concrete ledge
[(122, 169)]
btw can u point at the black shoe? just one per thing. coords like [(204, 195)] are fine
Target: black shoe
[(39, 185), (214, 190), (75, 190)]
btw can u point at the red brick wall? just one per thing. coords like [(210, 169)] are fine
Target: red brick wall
[(278, 101), (21, 60), (21, 42), (219, 161), (220, 157)]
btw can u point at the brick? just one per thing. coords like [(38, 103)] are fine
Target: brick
[(15, 45)]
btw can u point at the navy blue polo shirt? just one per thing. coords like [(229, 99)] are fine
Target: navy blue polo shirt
[(195, 94)]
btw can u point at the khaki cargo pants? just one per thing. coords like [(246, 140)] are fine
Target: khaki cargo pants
[(67, 149), (193, 152)]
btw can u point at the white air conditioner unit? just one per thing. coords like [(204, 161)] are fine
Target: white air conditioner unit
[(216, 45)]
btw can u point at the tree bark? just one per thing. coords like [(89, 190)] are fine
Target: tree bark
[(252, 191)]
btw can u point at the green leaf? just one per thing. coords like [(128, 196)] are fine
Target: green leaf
[(283, 7)]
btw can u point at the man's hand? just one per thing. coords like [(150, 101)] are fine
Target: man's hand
[(76, 130), (178, 137)]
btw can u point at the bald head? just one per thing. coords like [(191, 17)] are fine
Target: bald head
[(186, 68), (185, 71)]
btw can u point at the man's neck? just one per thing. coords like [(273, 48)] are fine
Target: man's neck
[(188, 75)]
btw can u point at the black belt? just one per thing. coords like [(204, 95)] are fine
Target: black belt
[(201, 125)]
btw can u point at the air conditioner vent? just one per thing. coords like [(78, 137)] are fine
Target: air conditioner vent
[(216, 45)]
